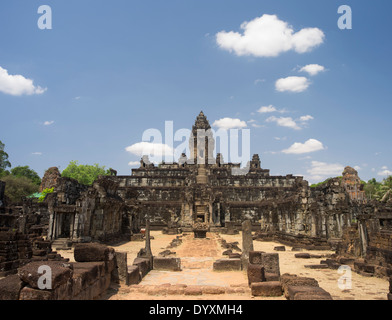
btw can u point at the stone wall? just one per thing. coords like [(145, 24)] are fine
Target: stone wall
[(87, 279), (18, 249)]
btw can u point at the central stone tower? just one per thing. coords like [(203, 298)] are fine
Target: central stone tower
[(201, 142)]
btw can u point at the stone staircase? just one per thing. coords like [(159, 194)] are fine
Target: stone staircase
[(62, 244)]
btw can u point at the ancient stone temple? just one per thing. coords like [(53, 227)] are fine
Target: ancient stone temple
[(206, 189), (203, 187)]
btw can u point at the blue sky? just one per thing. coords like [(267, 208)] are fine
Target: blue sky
[(107, 71)]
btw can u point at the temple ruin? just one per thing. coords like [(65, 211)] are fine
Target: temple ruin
[(203, 189)]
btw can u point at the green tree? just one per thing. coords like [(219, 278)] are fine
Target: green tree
[(25, 171), (4, 163), (371, 188), (18, 187), (84, 174)]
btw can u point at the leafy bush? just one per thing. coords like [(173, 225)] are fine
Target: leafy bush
[(44, 193)]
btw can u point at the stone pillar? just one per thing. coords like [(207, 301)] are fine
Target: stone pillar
[(247, 242), (148, 243)]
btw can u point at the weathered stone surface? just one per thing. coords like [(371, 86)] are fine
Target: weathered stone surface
[(88, 252), (280, 248), (255, 273), (143, 264), (49, 180), (270, 262), (193, 291), (267, 289), (170, 264), (316, 266), (307, 293), (247, 242), (302, 255), (133, 276), (227, 265), (61, 273), (88, 272), (213, 290), (120, 273), (269, 276), (10, 287), (227, 252), (255, 257), (294, 280), (28, 293)]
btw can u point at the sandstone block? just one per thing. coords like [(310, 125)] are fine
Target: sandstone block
[(61, 273), (255, 273), (88, 252), (255, 257), (170, 264), (133, 275), (270, 262), (10, 287), (267, 289), (227, 265), (143, 264), (28, 293), (193, 291), (307, 293), (120, 271)]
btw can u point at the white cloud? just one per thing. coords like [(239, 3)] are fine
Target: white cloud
[(321, 170), (357, 168), (134, 163), (311, 145), (17, 85), (255, 125), (48, 123), (150, 148), (306, 118), (292, 84), (280, 139), (267, 109), (258, 81), (36, 153), (385, 171), (229, 123), (312, 69), (268, 36), (284, 122)]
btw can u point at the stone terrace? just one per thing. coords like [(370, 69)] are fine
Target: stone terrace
[(197, 280)]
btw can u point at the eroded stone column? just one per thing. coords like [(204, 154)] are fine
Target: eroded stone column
[(247, 243)]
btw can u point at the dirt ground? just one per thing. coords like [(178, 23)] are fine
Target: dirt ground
[(197, 257)]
